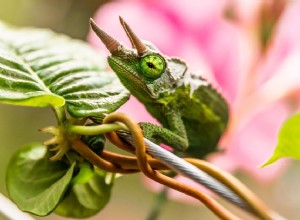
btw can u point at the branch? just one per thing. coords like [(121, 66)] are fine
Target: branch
[(153, 158)]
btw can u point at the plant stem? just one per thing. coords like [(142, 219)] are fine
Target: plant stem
[(144, 166), (257, 207), (99, 162), (160, 201), (97, 129), (60, 114)]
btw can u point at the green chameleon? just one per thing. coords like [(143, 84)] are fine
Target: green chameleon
[(192, 113)]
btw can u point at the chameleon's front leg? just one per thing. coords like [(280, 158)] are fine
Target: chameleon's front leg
[(174, 137)]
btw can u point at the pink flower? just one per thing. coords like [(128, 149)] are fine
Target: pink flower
[(257, 84)]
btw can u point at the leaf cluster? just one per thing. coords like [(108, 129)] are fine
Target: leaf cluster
[(40, 68)]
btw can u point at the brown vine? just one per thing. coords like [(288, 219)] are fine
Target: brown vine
[(143, 162)]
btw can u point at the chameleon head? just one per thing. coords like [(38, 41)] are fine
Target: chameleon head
[(143, 70)]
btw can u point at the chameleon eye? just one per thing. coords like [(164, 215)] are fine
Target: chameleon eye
[(152, 66)]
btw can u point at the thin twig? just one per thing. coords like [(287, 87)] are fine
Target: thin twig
[(256, 205), (99, 162), (97, 129), (137, 134), (130, 162), (114, 162)]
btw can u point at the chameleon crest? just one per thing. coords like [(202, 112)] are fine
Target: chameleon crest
[(192, 113)]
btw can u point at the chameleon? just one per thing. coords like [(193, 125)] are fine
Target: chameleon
[(192, 113)]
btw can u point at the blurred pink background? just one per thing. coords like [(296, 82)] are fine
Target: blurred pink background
[(249, 50)]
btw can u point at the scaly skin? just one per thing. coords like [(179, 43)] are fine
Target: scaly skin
[(192, 113)]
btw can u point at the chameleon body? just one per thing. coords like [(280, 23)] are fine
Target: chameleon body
[(192, 113)]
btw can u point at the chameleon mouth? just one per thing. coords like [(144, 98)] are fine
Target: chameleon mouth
[(123, 72), (119, 68)]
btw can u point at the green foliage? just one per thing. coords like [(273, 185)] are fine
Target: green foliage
[(34, 183), (288, 141), (41, 68), (40, 186), (88, 194)]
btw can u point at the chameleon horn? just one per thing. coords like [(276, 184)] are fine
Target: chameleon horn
[(136, 42), (110, 43)]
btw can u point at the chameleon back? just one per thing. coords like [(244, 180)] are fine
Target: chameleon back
[(204, 113)]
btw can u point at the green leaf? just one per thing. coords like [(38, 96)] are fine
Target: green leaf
[(34, 183), (288, 141), (89, 193), (41, 68)]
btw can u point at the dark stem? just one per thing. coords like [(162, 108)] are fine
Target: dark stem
[(160, 201)]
